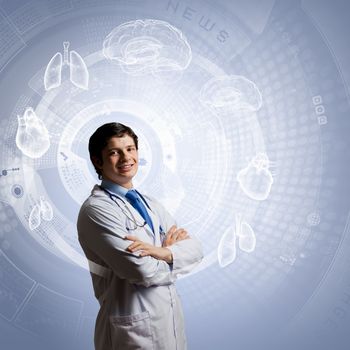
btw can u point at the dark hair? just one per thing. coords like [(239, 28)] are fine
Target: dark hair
[(99, 139)]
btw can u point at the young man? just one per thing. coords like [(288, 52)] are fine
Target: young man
[(135, 252)]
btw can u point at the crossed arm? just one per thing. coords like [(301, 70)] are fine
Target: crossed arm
[(161, 253), (105, 241)]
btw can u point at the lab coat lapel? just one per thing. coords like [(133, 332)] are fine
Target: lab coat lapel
[(156, 224)]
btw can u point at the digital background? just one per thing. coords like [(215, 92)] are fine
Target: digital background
[(242, 110)]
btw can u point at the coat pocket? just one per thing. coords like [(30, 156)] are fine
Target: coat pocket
[(131, 332)]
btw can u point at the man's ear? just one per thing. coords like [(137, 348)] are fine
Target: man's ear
[(97, 162)]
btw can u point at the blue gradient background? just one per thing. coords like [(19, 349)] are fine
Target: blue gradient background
[(293, 291)]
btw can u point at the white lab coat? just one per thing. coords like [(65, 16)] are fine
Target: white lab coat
[(140, 308)]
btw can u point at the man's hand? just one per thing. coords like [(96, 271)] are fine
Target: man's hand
[(174, 235), (160, 253)]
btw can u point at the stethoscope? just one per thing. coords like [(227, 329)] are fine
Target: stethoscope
[(128, 213)]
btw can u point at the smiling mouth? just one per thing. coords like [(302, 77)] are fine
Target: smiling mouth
[(125, 167)]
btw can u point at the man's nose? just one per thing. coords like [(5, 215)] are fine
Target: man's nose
[(124, 155)]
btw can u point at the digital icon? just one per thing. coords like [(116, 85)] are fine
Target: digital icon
[(78, 72), (41, 210), (5, 172), (313, 219), (322, 120), (17, 191), (241, 231), (32, 137), (148, 46), (289, 255), (234, 91), (256, 179), (288, 259), (63, 156)]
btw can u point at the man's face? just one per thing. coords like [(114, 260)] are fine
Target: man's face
[(119, 161)]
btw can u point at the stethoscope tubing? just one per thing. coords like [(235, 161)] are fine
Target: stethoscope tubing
[(114, 197), (132, 219)]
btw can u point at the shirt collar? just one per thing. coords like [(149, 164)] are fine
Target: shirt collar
[(114, 188)]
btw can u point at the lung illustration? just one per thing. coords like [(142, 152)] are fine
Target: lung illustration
[(78, 72), (53, 72)]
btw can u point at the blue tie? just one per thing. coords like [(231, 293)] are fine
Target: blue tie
[(136, 202)]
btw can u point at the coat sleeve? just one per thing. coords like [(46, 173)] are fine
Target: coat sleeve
[(188, 253), (101, 231)]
